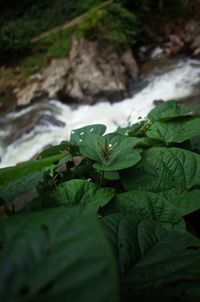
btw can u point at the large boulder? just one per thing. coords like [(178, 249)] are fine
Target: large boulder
[(86, 76), (98, 73)]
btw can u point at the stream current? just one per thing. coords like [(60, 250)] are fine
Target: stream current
[(25, 133)]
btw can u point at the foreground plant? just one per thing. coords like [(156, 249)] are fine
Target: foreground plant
[(106, 217)]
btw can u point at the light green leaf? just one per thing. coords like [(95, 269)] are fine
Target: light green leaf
[(162, 169), (55, 254), (111, 152), (78, 135)]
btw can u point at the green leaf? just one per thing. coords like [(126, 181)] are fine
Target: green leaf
[(54, 150), (133, 130), (154, 261), (79, 192), (147, 205), (22, 190), (176, 131), (173, 110), (78, 135), (195, 144), (162, 169), (111, 152), (55, 254), (185, 202), (10, 174)]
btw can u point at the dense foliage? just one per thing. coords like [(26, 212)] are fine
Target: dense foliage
[(111, 25), (22, 20), (106, 217)]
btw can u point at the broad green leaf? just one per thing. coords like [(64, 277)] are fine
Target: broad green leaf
[(111, 152), (10, 174), (55, 254), (79, 192), (133, 130), (78, 135), (173, 110), (54, 150), (176, 131), (195, 143), (21, 191), (152, 258), (111, 175), (148, 205), (185, 202), (162, 169)]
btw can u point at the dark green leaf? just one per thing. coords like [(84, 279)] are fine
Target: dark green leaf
[(152, 258), (55, 254), (176, 131), (171, 110), (162, 169), (79, 192), (10, 174), (54, 150), (148, 205), (22, 190), (133, 130), (185, 202)]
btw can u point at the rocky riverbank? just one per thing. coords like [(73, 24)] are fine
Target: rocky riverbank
[(91, 73)]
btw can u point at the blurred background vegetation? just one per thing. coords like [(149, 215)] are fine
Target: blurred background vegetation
[(119, 23)]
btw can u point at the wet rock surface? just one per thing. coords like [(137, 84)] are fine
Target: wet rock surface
[(173, 38), (86, 76), (96, 74)]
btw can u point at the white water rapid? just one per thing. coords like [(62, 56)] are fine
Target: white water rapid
[(25, 133)]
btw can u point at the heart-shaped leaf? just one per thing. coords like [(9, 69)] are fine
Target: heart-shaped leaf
[(78, 135), (111, 152)]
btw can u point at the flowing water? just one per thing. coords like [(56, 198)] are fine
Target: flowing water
[(25, 133)]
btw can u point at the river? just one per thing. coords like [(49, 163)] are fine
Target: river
[(25, 133)]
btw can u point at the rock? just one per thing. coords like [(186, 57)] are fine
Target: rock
[(96, 73), (53, 79), (89, 74), (196, 52), (177, 37), (29, 94), (196, 42)]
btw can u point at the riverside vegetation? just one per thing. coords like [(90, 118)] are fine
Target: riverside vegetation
[(20, 22), (106, 217)]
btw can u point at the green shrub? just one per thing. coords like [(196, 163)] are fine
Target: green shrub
[(20, 22), (113, 25)]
